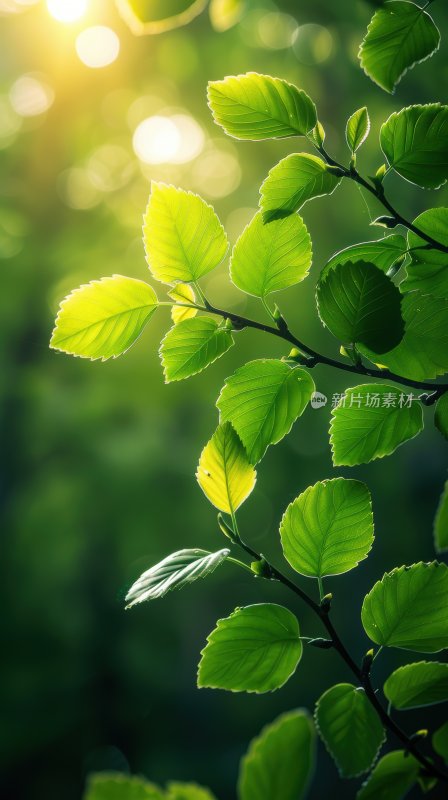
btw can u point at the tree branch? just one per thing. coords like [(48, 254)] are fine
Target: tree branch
[(378, 192), (362, 675), (283, 332)]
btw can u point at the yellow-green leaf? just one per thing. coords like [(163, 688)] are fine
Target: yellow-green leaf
[(183, 237), (102, 319), (441, 523), (224, 473), (182, 293), (357, 129), (191, 346), (158, 16), (254, 106), (272, 256)]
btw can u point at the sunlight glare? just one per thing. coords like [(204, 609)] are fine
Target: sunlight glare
[(67, 10), (98, 47), (156, 140)]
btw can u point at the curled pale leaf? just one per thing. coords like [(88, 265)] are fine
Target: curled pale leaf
[(174, 572), (357, 129)]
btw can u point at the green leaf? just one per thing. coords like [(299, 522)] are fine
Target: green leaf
[(102, 319), (262, 400), (357, 129), (441, 415), (188, 791), (191, 346), (114, 786), (383, 253), (360, 305), (440, 741), (292, 182), (183, 237), (256, 649), (350, 728), (428, 269), (423, 350), (182, 293), (399, 36), (280, 761), (272, 256), (224, 14), (174, 572), (392, 778), (441, 523), (158, 16), (416, 685), (258, 107), (371, 421), (408, 608), (328, 529), (414, 141), (224, 473)]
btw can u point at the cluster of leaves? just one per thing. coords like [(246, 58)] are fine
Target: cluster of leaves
[(400, 33), (385, 302)]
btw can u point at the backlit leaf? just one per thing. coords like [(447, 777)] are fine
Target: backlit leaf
[(114, 786), (224, 14), (174, 572), (428, 269), (191, 346), (371, 422), (415, 685), (272, 256), (350, 728), (182, 293), (408, 608), (280, 761), (415, 143), (224, 473), (158, 16), (357, 129), (392, 778), (399, 36), (359, 304), (262, 400), (328, 529), (256, 649), (383, 253), (423, 351), (102, 319), (183, 237), (441, 523), (292, 182), (254, 106)]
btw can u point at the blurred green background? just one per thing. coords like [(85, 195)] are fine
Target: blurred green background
[(99, 459)]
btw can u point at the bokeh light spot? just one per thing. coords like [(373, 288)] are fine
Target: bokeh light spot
[(156, 140), (30, 97), (313, 44), (67, 10), (77, 190), (277, 31), (98, 47), (217, 173)]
